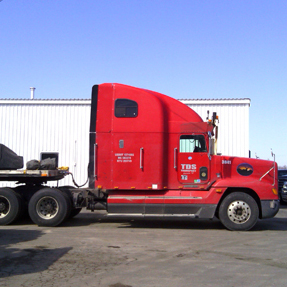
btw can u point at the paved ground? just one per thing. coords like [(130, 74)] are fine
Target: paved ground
[(93, 250)]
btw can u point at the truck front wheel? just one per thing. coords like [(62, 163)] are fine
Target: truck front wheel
[(49, 207), (238, 211), (10, 206)]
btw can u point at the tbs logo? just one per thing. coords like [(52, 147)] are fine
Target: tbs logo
[(185, 166)]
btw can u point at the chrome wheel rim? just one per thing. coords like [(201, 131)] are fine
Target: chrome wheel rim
[(239, 212), (47, 207)]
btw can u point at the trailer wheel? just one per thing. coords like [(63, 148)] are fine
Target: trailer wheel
[(238, 211), (49, 207), (10, 206)]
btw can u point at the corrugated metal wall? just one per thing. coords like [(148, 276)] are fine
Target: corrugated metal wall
[(30, 127)]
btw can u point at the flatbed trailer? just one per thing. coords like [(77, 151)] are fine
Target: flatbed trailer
[(53, 202), (32, 176)]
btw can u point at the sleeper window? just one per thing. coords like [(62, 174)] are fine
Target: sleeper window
[(126, 108)]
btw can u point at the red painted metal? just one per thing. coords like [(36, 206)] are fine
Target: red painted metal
[(138, 159)]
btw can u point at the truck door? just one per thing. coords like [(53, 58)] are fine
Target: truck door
[(193, 161)]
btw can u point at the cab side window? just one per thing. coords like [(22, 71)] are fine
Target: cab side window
[(125, 108), (192, 143)]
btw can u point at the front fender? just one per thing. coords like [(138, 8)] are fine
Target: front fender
[(262, 189)]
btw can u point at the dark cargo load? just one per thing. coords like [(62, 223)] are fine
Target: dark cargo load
[(44, 164), (33, 164), (48, 163), (9, 159)]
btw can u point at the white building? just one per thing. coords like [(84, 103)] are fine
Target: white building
[(233, 138), (30, 127)]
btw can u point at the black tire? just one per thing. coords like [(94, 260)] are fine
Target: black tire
[(49, 207), (69, 205), (238, 211), (66, 190), (74, 212), (21, 191), (10, 206)]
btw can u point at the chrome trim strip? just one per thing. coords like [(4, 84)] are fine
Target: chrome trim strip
[(266, 173), (154, 197), (152, 215)]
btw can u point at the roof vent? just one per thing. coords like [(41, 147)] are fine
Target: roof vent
[(32, 92)]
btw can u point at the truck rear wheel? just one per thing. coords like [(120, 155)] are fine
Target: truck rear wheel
[(75, 212), (238, 211), (66, 191), (49, 207), (10, 206)]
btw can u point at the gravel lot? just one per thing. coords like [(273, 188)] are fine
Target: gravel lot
[(95, 250)]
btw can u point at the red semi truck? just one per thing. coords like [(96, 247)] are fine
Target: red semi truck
[(151, 155)]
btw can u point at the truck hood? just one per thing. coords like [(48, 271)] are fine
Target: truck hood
[(243, 170)]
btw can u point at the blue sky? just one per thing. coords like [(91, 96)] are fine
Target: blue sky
[(185, 49)]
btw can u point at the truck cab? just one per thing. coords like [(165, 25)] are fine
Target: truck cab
[(152, 155)]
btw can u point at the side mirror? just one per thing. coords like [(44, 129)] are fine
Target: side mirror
[(211, 145)]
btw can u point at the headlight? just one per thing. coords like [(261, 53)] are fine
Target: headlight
[(285, 185)]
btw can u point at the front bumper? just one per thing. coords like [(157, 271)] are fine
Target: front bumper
[(269, 208)]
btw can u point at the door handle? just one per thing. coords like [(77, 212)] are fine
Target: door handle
[(95, 160), (141, 158), (175, 158)]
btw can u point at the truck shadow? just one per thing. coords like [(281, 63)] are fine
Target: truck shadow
[(169, 223), (84, 219), (275, 224), (89, 218), (13, 236), (279, 224), (19, 261)]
